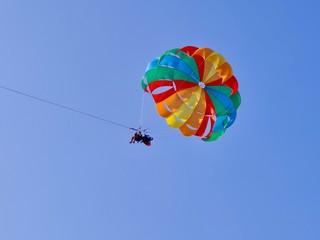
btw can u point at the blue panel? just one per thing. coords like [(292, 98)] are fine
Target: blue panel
[(223, 99), (219, 124), (153, 64), (232, 118), (178, 64)]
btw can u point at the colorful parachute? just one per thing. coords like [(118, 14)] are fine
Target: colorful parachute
[(195, 90)]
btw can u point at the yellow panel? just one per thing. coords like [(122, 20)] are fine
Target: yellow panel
[(216, 58), (209, 71), (215, 77), (195, 119), (173, 122), (184, 111), (198, 113), (176, 105), (185, 94)]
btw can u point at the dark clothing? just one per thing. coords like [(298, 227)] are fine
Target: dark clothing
[(138, 137), (146, 139)]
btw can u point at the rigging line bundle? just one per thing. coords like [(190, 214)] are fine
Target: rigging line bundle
[(67, 108)]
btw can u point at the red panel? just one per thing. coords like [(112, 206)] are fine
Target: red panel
[(181, 84), (212, 124), (210, 107), (201, 130), (159, 83), (200, 64), (215, 83), (189, 50), (209, 111), (162, 96), (232, 83)]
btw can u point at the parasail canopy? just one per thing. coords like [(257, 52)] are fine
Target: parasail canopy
[(195, 90)]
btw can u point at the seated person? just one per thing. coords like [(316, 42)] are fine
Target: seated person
[(146, 139), (137, 137)]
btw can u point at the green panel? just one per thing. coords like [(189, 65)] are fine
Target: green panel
[(173, 51), (218, 106), (143, 85), (162, 72), (159, 73), (236, 99), (214, 136), (222, 89)]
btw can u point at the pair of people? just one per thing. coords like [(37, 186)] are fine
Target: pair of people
[(139, 137)]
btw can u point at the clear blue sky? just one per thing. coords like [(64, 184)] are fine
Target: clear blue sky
[(65, 176)]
